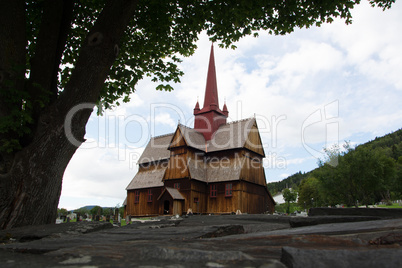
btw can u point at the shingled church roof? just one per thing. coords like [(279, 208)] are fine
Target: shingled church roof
[(156, 149), (229, 136), (148, 178), (174, 193)]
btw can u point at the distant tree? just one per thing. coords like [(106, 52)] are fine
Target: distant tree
[(97, 210), (397, 186), (290, 182), (309, 193), (82, 211), (121, 212), (289, 196), (363, 175), (62, 211)]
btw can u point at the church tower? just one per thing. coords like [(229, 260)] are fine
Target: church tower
[(210, 117)]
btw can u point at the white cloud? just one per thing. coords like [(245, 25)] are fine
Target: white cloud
[(372, 42), (166, 119), (99, 173)]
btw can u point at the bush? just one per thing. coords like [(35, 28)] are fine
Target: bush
[(282, 208)]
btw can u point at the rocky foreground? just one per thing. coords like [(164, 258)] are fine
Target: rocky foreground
[(322, 240)]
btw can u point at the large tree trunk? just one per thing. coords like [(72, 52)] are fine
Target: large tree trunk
[(31, 189), (30, 185)]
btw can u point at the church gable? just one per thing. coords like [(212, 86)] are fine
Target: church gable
[(177, 140), (253, 142), (177, 166), (185, 136)]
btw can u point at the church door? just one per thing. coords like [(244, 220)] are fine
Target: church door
[(166, 207)]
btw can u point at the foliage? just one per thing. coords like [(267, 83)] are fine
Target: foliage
[(82, 211), (62, 211), (290, 182), (369, 173), (393, 205), (121, 212), (284, 208), (363, 176), (97, 210), (310, 193), (289, 196), (158, 34)]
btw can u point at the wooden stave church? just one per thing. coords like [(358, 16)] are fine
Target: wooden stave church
[(213, 168)]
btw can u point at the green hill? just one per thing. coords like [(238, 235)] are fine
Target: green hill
[(391, 145)]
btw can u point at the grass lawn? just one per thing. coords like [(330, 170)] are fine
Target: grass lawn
[(282, 208), (394, 205)]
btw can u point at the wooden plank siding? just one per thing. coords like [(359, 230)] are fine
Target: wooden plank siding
[(143, 207), (177, 166), (252, 169), (221, 203), (255, 199), (198, 190), (246, 197), (253, 142), (177, 140)]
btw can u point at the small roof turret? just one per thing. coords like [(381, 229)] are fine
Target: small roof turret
[(197, 108)]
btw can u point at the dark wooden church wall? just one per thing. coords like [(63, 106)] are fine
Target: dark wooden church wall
[(222, 203), (198, 191), (143, 207), (255, 198)]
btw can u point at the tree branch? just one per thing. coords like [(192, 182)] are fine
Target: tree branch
[(12, 49), (97, 55), (12, 67), (56, 20)]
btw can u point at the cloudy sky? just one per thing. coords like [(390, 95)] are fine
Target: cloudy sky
[(313, 88)]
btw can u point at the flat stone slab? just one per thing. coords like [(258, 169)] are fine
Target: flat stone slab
[(301, 258), (197, 241), (36, 232), (376, 212), (315, 220)]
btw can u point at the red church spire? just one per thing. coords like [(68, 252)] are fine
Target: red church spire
[(210, 117), (211, 90)]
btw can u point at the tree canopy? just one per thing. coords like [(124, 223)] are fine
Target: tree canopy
[(289, 196), (156, 35), (58, 56), (364, 175)]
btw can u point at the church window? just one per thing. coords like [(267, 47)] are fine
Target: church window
[(149, 195), (136, 196), (228, 189), (177, 185), (213, 190)]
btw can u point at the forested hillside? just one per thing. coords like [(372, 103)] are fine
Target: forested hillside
[(292, 181), (366, 174)]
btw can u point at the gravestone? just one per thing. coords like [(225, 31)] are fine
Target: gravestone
[(116, 215)]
